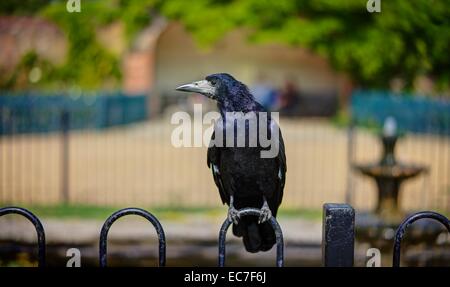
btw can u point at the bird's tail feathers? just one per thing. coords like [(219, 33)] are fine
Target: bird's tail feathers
[(256, 237)]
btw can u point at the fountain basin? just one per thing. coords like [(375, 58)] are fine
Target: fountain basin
[(395, 172)]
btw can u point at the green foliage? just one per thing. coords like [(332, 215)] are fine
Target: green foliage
[(21, 74), (135, 14), (21, 7), (88, 64), (407, 39)]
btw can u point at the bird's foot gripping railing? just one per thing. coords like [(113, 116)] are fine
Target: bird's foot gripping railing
[(37, 225), (252, 212), (136, 211), (406, 223)]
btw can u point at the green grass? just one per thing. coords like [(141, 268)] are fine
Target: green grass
[(310, 214), (80, 211)]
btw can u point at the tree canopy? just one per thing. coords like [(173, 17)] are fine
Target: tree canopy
[(405, 40)]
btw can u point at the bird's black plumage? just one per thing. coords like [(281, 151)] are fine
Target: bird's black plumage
[(243, 177)]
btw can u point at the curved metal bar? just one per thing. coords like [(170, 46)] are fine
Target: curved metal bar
[(254, 212), (37, 225), (406, 223), (136, 211)]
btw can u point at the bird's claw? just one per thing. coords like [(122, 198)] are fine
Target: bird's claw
[(233, 215), (265, 215)]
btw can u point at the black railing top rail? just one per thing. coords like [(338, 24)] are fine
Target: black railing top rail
[(406, 223), (252, 212), (37, 225), (136, 211)]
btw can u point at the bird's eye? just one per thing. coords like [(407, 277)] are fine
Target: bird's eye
[(213, 82)]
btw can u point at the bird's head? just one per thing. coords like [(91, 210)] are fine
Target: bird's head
[(223, 88)]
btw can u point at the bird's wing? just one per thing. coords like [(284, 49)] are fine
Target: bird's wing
[(282, 167), (213, 161)]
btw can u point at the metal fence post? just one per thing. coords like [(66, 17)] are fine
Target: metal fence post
[(252, 212), (65, 126), (136, 211), (406, 223), (37, 225), (351, 144), (338, 235)]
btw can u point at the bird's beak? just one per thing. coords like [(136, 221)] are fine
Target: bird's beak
[(202, 87)]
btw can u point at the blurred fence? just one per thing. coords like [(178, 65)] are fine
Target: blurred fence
[(31, 113), (418, 114), (136, 164)]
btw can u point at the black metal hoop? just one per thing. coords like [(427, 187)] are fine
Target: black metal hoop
[(37, 225), (254, 212), (136, 211), (406, 223)]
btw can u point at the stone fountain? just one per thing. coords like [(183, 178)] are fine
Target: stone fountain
[(378, 227), (389, 174)]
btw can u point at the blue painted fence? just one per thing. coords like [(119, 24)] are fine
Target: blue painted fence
[(38, 113), (417, 114)]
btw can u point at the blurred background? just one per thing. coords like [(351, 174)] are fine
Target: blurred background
[(86, 100)]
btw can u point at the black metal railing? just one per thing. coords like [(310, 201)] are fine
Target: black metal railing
[(406, 223), (252, 212), (136, 211), (37, 225), (338, 236)]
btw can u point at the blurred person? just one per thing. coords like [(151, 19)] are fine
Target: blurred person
[(289, 99), (264, 93)]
